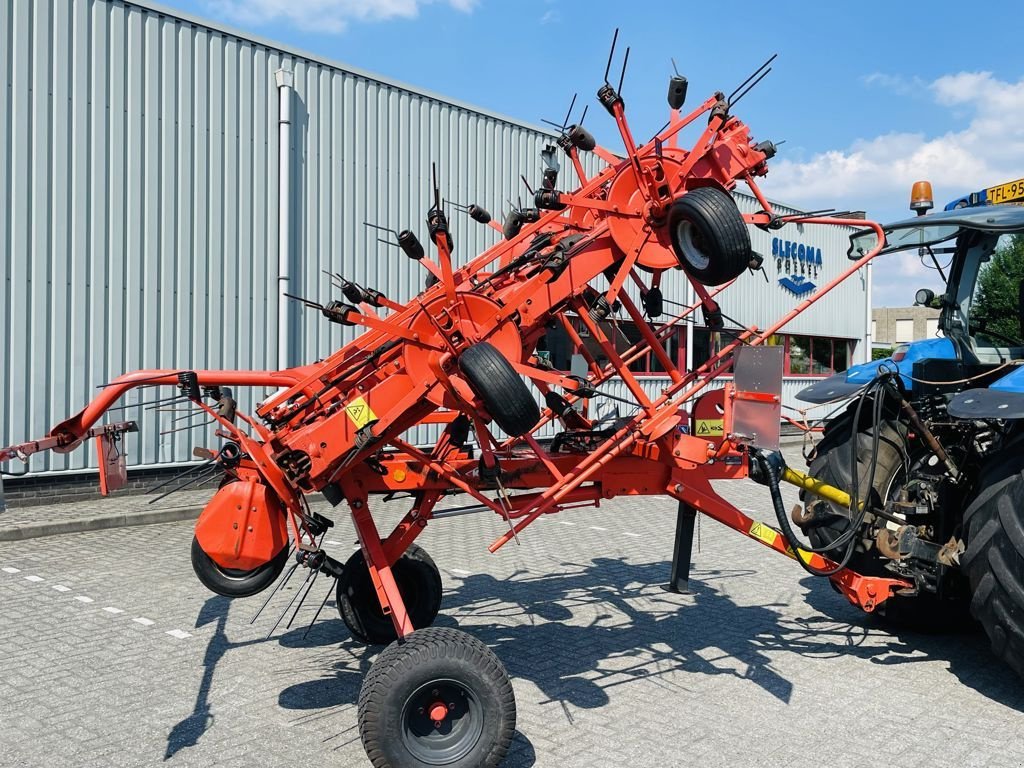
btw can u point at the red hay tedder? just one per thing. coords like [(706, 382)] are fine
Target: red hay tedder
[(459, 354)]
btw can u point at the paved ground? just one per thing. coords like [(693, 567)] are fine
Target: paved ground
[(113, 654)]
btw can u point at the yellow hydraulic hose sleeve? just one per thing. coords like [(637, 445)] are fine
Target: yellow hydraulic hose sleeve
[(817, 487)]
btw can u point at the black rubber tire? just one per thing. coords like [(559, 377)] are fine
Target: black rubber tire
[(831, 463), (925, 612), (234, 583), (994, 560), (419, 581), (504, 394), (393, 732), (709, 236)]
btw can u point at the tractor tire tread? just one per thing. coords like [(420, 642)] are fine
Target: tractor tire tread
[(994, 524)]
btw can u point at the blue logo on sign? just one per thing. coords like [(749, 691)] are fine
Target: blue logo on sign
[(796, 262), (798, 285)]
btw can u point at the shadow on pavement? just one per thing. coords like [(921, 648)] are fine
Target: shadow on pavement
[(623, 628), (216, 611), (964, 648)]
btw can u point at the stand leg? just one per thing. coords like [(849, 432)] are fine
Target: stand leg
[(679, 580)]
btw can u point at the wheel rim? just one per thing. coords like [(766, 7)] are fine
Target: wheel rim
[(691, 244), (446, 740)]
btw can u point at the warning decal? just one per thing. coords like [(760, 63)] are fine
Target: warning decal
[(763, 533), (360, 412), (710, 427), (803, 553)]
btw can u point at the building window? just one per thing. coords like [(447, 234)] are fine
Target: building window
[(707, 343), (624, 334), (799, 356), (904, 331)]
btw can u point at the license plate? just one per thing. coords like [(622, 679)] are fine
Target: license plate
[(1006, 193)]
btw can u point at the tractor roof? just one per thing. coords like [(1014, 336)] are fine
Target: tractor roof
[(938, 227)]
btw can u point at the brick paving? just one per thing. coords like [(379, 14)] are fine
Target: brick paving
[(761, 665)]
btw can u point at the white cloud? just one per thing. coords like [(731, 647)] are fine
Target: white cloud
[(898, 84), (330, 16), (875, 174)]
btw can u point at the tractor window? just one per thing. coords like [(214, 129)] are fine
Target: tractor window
[(993, 312)]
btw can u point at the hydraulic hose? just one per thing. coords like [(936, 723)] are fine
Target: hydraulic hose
[(770, 476)]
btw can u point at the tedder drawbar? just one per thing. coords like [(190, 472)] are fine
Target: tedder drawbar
[(460, 354)]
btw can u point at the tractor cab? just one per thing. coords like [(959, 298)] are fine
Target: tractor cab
[(978, 331)]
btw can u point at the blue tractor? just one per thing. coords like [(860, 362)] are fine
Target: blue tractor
[(931, 443)]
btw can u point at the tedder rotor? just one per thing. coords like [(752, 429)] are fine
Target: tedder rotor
[(459, 354)]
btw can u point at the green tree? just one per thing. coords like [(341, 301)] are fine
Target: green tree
[(995, 307)]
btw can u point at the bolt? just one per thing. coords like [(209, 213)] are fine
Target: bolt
[(678, 488), (357, 504)]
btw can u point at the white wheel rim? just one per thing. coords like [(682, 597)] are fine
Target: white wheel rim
[(694, 256)]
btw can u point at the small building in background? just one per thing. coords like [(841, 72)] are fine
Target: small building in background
[(900, 325)]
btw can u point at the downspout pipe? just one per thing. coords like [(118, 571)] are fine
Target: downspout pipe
[(868, 335), (285, 82)]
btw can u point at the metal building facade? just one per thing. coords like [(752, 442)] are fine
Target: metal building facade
[(138, 205)]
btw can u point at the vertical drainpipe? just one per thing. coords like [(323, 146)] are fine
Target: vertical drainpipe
[(285, 80), (868, 339)]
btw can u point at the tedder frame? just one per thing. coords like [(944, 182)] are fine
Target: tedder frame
[(458, 354)]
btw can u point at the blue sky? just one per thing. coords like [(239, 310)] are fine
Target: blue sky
[(868, 96)]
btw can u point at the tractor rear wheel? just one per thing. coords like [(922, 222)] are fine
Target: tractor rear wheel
[(235, 583), (439, 697), (709, 236), (924, 612), (994, 560), (418, 579), (504, 394)]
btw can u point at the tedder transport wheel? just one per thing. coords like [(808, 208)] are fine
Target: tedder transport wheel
[(234, 583), (831, 463), (994, 559), (439, 697), (709, 235), (503, 392), (418, 580)]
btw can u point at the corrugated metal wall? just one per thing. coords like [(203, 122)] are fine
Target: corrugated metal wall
[(138, 204), (139, 201)]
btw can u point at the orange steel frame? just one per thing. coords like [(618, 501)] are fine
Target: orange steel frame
[(340, 422)]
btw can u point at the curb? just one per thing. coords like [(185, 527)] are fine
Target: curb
[(99, 523), (126, 519)]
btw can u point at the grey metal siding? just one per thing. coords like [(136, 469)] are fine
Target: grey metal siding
[(138, 205), (138, 202)]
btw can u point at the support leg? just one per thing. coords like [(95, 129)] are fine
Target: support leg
[(679, 580), (391, 601)]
